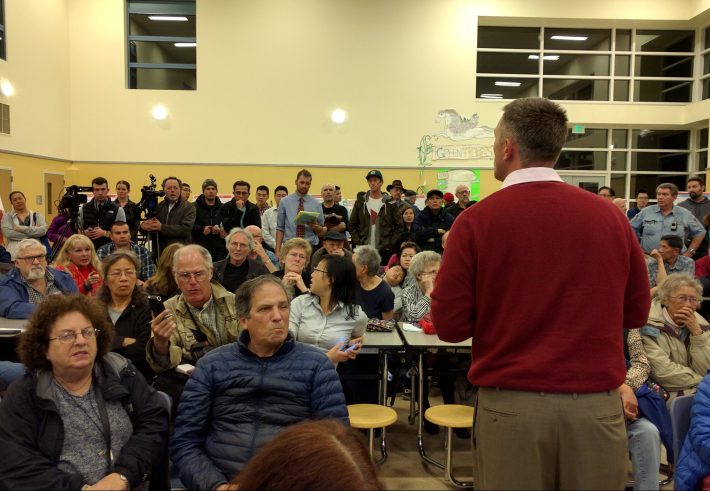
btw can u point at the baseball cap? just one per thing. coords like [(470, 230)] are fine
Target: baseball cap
[(374, 173), (448, 197), (409, 192), (436, 192)]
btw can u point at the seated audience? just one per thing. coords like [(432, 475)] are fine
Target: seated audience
[(31, 281), (9, 372), (78, 258), (120, 235), (295, 276), (261, 253), (406, 253), (59, 229), (201, 318), (373, 294), (163, 281), (676, 338), (21, 223), (310, 456), (394, 276), (693, 463), (238, 267), (432, 222), (667, 259), (333, 243), (244, 394), (127, 306), (329, 317), (56, 425)]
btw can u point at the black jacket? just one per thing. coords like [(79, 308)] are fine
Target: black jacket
[(133, 216), (177, 225), (103, 216), (256, 268), (32, 432), (134, 322), (232, 217), (206, 215)]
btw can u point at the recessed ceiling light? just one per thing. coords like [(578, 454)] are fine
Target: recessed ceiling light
[(160, 112), (569, 38), (180, 18), (338, 116), (491, 96), (6, 88), (544, 57), (185, 45), (508, 84)]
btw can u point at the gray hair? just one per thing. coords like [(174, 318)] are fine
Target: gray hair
[(677, 280), (368, 256), (206, 257), (26, 244), (245, 233), (421, 260), (327, 184), (245, 293), (669, 186)]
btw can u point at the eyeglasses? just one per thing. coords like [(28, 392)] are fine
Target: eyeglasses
[(686, 299), (31, 259), (117, 274), (69, 337), (199, 276), (320, 270)]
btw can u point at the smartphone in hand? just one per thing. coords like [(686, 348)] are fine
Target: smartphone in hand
[(156, 304)]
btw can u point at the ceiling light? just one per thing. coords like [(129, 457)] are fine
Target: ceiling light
[(180, 18), (544, 57), (6, 88), (569, 38), (508, 84), (160, 112), (491, 96), (185, 45), (338, 116)]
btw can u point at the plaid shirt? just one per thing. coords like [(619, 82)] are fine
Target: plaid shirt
[(208, 317), (35, 296), (147, 266)]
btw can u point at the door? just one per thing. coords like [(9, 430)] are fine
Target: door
[(53, 187), (5, 188)]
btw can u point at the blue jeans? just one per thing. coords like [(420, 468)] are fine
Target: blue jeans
[(10, 371), (645, 449)]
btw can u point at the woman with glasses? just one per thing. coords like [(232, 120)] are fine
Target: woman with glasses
[(676, 337), (83, 418), (78, 258), (295, 273), (127, 307), (329, 317)]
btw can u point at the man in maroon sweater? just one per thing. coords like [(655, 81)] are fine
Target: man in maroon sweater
[(546, 312)]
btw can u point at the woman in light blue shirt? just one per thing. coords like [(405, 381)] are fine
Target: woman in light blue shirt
[(329, 317)]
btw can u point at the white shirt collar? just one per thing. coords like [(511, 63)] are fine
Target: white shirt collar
[(531, 174)]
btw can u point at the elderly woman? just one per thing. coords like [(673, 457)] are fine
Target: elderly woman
[(373, 294), (295, 273), (21, 223), (78, 258), (329, 317), (676, 338), (163, 281), (127, 306), (83, 418)]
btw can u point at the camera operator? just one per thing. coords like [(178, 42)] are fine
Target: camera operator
[(173, 219), (98, 214)]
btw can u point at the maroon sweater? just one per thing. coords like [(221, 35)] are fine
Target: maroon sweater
[(543, 276)]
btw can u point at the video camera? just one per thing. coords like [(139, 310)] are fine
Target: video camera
[(72, 199), (149, 199)]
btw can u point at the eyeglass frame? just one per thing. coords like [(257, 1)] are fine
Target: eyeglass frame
[(186, 276), (687, 299), (320, 271), (71, 336), (32, 259), (119, 274)]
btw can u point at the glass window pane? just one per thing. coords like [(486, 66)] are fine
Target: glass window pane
[(623, 40), (575, 90), (706, 88), (506, 63), (509, 37), (618, 160), (618, 184), (659, 161), (618, 138), (707, 37), (662, 91), (650, 182), (703, 160), (586, 39), (591, 138), (577, 65), (161, 52), (162, 78), (622, 65), (664, 66), (664, 41), (582, 160), (706, 64), (621, 90), (660, 139), (703, 138), (141, 25), (486, 85)]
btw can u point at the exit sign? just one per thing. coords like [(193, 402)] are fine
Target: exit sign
[(578, 129)]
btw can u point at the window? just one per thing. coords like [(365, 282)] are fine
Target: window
[(705, 60), (4, 119), (3, 34), (630, 65), (161, 45)]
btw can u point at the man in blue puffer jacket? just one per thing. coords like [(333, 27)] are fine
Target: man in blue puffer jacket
[(694, 459), (241, 395)]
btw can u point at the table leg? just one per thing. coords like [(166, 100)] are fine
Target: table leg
[(383, 401), (420, 419)]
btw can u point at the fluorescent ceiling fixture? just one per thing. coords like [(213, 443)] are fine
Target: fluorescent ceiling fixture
[(491, 96), (569, 38), (180, 18), (544, 57), (338, 116), (160, 112), (508, 84), (185, 45), (6, 88)]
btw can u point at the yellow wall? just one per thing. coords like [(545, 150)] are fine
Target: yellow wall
[(28, 177)]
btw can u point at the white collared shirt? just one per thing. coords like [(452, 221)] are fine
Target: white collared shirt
[(531, 174)]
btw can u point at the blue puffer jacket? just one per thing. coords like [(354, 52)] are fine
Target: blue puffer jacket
[(694, 459), (14, 299), (235, 402)]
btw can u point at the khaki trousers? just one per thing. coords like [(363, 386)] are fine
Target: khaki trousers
[(534, 440)]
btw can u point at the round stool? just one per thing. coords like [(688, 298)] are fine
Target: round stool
[(451, 416), (371, 417)]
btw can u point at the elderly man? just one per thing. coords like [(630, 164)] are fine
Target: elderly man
[(121, 241), (667, 259), (260, 253), (243, 394), (202, 317), (664, 218), (333, 243), (238, 267), (432, 223), (547, 366), (31, 281), (335, 216), (463, 196)]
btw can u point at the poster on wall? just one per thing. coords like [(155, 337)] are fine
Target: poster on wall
[(449, 179)]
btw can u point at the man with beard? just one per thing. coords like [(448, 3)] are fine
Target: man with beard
[(290, 206), (699, 206), (31, 281)]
